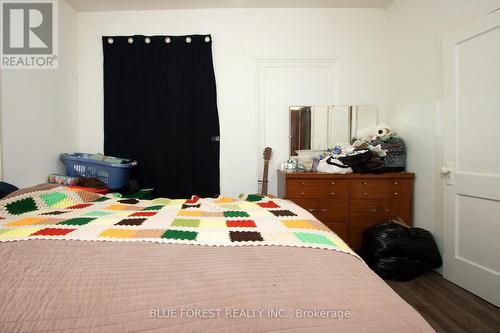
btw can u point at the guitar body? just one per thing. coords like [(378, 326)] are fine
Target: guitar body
[(267, 157)]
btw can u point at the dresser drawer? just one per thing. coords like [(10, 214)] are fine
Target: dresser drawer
[(327, 211), (341, 229), (317, 188), (333, 213), (381, 188), (365, 213), (403, 188)]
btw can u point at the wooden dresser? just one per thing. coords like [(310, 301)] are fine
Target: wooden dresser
[(348, 204)]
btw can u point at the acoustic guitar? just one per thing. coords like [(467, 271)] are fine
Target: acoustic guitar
[(267, 157)]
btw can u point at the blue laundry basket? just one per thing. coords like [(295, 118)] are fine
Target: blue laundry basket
[(115, 176)]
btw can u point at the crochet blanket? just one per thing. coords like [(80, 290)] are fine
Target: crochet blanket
[(63, 213)]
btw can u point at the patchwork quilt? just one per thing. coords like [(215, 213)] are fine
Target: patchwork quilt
[(64, 213)]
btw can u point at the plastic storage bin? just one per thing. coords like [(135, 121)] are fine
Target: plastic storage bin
[(115, 176)]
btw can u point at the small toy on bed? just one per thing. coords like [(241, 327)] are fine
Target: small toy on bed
[(55, 178)]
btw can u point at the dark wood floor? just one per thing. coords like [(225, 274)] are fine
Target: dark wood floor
[(447, 307)]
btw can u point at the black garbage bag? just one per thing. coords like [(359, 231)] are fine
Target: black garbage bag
[(400, 268), (399, 253)]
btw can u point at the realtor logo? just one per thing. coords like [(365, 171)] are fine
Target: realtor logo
[(29, 34)]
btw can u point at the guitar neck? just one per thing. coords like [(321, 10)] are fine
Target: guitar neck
[(264, 178)]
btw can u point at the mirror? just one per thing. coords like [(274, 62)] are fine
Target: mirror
[(324, 126)]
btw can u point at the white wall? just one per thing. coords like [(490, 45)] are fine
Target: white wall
[(414, 94), (388, 58), (39, 112), (357, 37)]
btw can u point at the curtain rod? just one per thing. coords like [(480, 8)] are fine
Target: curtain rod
[(167, 39)]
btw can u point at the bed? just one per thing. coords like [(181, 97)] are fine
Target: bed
[(251, 264)]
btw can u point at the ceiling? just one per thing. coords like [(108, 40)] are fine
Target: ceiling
[(119, 5)]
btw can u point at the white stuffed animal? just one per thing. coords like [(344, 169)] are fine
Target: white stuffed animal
[(384, 130), (381, 131)]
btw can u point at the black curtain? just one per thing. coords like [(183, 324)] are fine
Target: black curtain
[(160, 109)]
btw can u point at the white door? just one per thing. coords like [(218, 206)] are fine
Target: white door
[(284, 83), (471, 144)]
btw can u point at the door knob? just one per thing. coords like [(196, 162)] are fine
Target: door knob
[(447, 170), (444, 170)]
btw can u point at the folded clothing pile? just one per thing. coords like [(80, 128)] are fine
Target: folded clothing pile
[(395, 156), (380, 152)]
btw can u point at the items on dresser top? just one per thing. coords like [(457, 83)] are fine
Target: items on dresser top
[(379, 150), (348, 204), (331, 165), (388, 151)]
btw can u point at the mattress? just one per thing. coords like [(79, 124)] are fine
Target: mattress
[(91, 286)]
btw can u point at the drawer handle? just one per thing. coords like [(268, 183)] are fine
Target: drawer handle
[(395, 193), (333, 183), (365, 183), (396, 183), (315, 210), (384, 210), (302, 183), (302, 193), (365, 194), (332, 194)]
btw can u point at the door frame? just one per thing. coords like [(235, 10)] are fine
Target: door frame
[(1, 128)]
